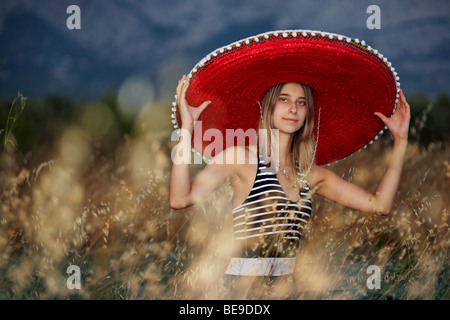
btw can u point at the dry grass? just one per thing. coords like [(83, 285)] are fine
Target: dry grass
[(108, 213)]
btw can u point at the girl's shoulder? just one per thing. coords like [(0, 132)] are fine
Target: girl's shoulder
[(241, 162), (317, 175), (237, 155)]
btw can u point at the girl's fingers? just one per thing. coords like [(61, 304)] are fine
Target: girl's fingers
[(382, 117), (404, 99), (404, 104), (181, 90), (402, 96), (184, 108), (184, 87), (203, 106), (179, 86), (180, 83)]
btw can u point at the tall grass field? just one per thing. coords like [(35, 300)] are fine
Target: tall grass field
[(93, 192)]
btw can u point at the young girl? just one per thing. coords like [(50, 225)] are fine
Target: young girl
[(271, 207)]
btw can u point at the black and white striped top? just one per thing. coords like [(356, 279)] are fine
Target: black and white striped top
[(268, 223)]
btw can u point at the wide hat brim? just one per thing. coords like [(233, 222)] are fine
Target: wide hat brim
[(350, 82)]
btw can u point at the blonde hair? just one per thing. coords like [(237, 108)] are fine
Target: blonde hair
[(302, 148)]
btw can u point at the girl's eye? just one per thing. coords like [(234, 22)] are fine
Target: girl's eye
[(301, 102), (283, 99)]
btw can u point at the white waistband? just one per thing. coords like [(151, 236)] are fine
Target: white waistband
[(261, 266)]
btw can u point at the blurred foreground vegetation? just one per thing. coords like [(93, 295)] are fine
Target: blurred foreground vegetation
[(86, 184)]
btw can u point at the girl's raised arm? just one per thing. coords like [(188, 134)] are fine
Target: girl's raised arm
[(349, 195), (182, 191)]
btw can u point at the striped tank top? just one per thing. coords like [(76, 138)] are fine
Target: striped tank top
[(268, 225)]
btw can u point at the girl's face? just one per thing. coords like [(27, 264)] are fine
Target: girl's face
[(290, 110)]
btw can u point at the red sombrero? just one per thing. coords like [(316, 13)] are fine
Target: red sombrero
[(350, 81)]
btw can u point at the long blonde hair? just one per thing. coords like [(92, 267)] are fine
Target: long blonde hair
[(302, 148)]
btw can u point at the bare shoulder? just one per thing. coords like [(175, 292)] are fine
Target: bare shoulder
[(236, 155), (318, 176), (237, 159)]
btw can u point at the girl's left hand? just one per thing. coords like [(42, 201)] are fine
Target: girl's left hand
[(398, 123)]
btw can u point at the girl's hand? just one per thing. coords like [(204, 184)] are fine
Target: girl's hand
[(398, 123), (188, 114)]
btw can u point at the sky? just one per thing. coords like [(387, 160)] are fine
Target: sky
[(149, 45)]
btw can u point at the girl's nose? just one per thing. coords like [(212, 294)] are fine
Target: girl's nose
[(293, 108)]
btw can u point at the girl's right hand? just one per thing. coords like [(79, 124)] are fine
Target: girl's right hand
[(188, 114)]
